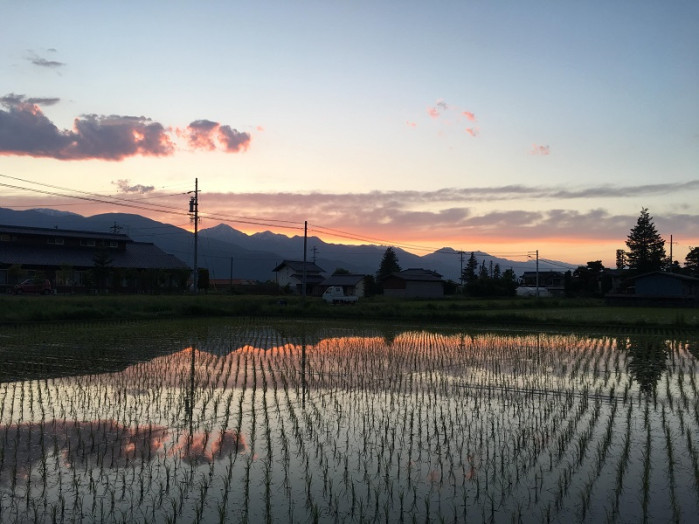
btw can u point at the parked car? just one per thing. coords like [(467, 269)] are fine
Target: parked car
[(33, 286)]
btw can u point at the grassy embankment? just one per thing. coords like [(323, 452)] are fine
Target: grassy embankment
[(516, 312)]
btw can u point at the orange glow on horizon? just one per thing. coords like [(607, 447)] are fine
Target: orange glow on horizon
[(577, 249), (563, 249)]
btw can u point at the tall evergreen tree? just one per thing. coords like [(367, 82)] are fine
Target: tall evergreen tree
[(469, 273), (102, 262), (483, 273), (497, 272), (646, 247), (587, 280), (509, 282), (389, 264), (691, 261)]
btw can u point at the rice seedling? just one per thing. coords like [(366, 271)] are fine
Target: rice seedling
[(256, 421)]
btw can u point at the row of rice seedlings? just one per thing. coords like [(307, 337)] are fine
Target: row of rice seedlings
[(429, 419), (625, 398)]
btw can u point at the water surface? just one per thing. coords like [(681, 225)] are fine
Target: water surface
[(265, 421)]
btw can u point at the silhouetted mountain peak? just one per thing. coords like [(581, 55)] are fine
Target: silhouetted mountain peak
[(223, 247), (53, 212)]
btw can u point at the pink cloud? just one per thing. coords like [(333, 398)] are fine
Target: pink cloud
[(201, 134), (26, 131), (452, 115), (211, 136), (433, 112), (125, 186), (442, 216), (439, 107), (232, 140), (540, 150), (411, 124)]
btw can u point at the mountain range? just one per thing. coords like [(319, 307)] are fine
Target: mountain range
[(227, 252)]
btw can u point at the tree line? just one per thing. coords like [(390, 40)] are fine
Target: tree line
[(478, 280), (645, 253)]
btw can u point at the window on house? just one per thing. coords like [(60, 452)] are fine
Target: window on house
[(88, 243)]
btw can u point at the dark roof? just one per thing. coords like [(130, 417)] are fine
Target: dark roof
[(422, 275), (678, 276), (137, 255), (311, 278), (45, 231), (343, 280), (297, 266), (146, 255)]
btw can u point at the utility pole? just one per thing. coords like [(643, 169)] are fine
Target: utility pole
[(305, 241), (461, 273), (537, 272), (529, 254), (671, 242), (314, 250), (194, 212), (670, 253)]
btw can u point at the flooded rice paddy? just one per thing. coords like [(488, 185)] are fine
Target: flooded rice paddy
[(288, 422)]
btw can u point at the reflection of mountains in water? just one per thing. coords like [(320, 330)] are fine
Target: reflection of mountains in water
[(67, 359), (227, 340), (322, 355), (106, 444)]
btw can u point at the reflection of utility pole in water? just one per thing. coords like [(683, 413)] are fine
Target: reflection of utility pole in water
[(303, 369), (189, 402)]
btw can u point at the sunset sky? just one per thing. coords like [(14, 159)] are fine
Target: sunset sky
[(506, 127)]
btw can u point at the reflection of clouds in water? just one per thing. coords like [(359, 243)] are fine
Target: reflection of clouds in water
[(203, 447), (106, 443)]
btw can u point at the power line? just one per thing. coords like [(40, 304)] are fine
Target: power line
[(117, 201), (553, 263), (89, 199), (97, 196), (351, 236), (255, 221)]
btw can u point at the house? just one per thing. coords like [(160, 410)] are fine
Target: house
[(291, 273), (414, 283), (657, 288), (551, 281), (76, 261), (352, 285)]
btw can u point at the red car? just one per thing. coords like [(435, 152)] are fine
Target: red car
[(33, 286)]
